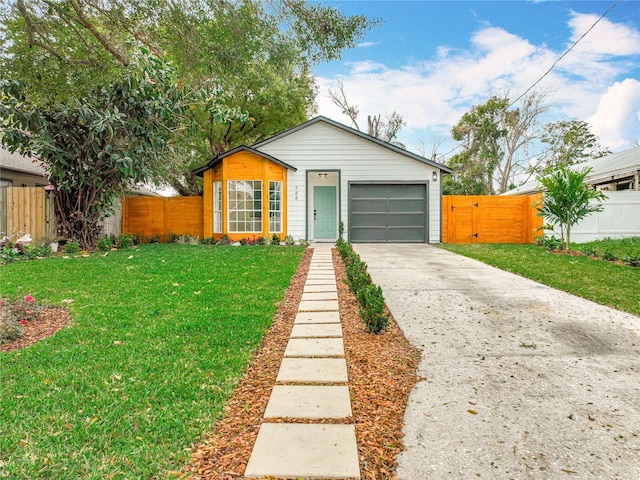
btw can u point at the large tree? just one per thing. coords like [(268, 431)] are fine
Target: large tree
[(494, 137), (479, 131), (259, 53), (96, 146), (567, 142)]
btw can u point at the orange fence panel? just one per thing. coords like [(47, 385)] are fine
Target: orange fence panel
[(159, 217), (490, 219)]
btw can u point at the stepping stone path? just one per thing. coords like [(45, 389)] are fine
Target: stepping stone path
[(314, 355)]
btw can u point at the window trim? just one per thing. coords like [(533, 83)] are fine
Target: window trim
[(256, 220), (217, 206), (279, 203)]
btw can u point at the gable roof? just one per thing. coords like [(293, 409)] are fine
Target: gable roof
[(607, 167), (218, 158), (353, 131)]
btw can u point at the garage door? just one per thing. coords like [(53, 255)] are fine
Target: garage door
[(387, 212)]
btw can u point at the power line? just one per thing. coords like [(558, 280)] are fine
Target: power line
[(565, 53)]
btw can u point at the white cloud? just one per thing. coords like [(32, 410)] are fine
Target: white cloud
[(366, 44), (617, 119), (433, 94)]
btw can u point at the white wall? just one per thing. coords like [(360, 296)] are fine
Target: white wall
[(321, 146), (620, 218)]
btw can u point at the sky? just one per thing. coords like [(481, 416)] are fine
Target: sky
[(431, 61)]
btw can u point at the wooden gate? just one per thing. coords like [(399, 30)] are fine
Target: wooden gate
[(490, 219)]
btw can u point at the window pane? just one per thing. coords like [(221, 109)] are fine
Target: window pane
[(245, 206)]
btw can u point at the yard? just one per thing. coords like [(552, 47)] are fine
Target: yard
[(160, 336), (601, 281)]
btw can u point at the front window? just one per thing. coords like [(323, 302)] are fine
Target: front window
[(275, 207), (217, 207), (245, 206)]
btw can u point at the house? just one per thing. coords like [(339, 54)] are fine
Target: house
[(19, 171), (614, 172), (307, 181)]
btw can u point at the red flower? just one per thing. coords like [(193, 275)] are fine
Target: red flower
[(29, 298), (23, 322), (28, 312)]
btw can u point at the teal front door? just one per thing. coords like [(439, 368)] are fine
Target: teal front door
[(325, 218)]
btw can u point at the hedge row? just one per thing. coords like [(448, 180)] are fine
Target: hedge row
[(371, 304)]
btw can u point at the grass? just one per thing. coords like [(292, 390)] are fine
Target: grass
[(612, 249), (159, 338), (603, 282)]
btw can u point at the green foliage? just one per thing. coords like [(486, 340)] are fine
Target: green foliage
[(45, 250), (9, 254), (225, 240), (29, 252), (549, 242), (126, 240), (96, 146), (622, 248), (104, 244), (567, 199), (372, 307), (606, 283), (275, 239), (288, 240), (72, 247), (479, 132), (340, 230), (159, 340), (568, 142)]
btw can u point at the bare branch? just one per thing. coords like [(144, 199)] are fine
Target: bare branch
[(339, 99)]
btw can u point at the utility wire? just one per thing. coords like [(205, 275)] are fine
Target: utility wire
[(565, 53)]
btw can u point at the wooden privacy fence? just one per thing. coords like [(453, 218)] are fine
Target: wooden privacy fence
[(27, 210), (490, 219), (158, 217)]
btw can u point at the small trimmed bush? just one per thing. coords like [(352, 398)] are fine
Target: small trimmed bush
[(371, 305), (72, 247)]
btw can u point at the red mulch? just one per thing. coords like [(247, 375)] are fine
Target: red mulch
[(382, 371), (49, 322)]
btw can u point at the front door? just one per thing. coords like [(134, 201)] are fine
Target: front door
[(325, 224)]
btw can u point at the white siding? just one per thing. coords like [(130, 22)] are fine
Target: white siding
[(321, 146)]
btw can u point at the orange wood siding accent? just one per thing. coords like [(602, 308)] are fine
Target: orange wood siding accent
[(151, 216), (490, 219), (243, 166)]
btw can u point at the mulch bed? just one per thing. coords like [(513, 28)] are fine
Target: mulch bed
[(382, 371), (51, 320)]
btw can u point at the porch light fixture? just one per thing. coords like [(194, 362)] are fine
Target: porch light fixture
[(322, 175), (435, 176)]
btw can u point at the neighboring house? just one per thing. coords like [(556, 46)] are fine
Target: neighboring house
[(306, 180), (19, 171), (614, 172)]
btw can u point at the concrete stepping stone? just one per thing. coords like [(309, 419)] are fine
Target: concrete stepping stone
[(303, 450), (306, 401), (308, 370), (320, 281), (318, 305), (319, 288), (314, 347), (317, 317), (320, 330), (306, 296)]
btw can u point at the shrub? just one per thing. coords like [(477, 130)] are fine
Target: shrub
[(373, 310), (154, 238), (126, 240), (632, 260), (209, 241), (551, 242), (288, 240), (29, 252), (104, 244), (244, 241), (72, 247), (607, 255), (193, 240), (275, 239), (225, 240), (45, 250)]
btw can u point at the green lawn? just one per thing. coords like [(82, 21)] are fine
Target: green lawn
[(159, 339), (601, 281)]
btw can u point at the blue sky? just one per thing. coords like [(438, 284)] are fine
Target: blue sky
[(432, 60)]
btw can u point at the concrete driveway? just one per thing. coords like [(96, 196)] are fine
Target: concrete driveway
[(521, 381)]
